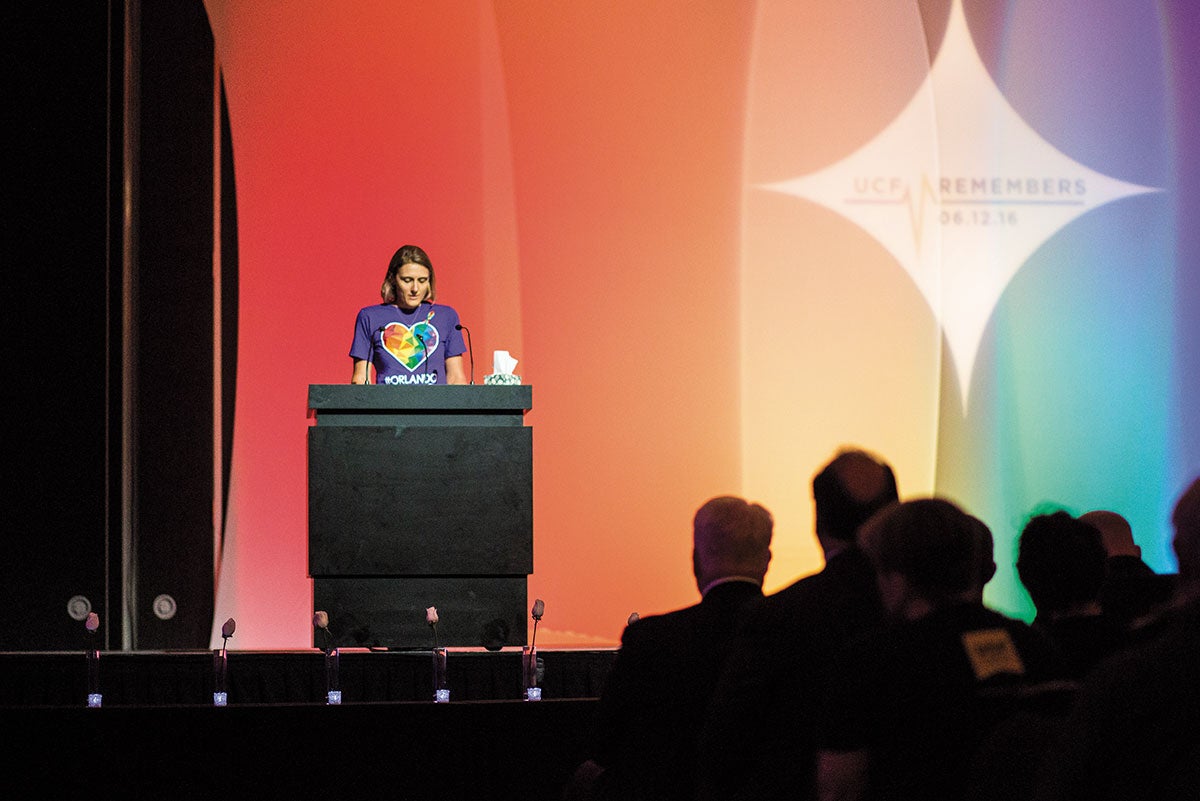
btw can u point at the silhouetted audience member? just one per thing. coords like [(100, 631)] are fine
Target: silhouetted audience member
[(653, 702), (1061, 560), (907, 705), (1132, 591), (1133, 730), (760, 738)]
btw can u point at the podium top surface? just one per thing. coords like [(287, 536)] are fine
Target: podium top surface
[(443, 397)]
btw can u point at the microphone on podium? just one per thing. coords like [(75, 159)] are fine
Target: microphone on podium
[(470, 350), (424, 348)]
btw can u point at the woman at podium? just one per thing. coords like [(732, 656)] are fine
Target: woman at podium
[(408, 338)]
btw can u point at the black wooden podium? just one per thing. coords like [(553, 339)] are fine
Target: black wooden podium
[(419, 497)]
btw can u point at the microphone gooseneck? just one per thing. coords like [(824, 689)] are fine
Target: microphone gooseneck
[(470, 350), (424, 349)]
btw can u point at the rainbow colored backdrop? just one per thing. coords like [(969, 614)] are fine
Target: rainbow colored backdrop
[(593, 183)]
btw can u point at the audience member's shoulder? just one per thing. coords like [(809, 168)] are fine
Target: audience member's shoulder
[(1169, 627), (781, 607), (1163, 660), (1127, 565), (651, 625), (848, 568), (736, 600)]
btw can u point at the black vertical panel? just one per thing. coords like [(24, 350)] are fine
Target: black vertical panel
[(173, 529), (114, 625), (63, 73), (54, 63), (229, 296)]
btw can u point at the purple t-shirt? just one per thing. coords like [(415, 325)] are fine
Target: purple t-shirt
[(407, 347)]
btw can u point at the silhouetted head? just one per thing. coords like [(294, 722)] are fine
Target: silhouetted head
[(1186, 519), (1115, 532), (851, 488), (730, 537), (927, 549), (1061, 560)]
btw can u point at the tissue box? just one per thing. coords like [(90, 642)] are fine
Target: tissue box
[(501, 379)]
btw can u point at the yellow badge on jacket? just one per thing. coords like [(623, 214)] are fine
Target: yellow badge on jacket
[(992, 652)]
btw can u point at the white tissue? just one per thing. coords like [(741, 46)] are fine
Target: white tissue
[(502, 370), (502, 363)]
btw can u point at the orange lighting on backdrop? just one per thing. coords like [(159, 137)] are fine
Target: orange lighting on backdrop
[(722, 240), (572, 170)]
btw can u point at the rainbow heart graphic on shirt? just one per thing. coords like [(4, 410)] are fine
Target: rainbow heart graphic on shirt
[(404, 343)]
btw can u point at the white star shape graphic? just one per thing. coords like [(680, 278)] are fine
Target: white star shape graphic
[(961, 191)]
